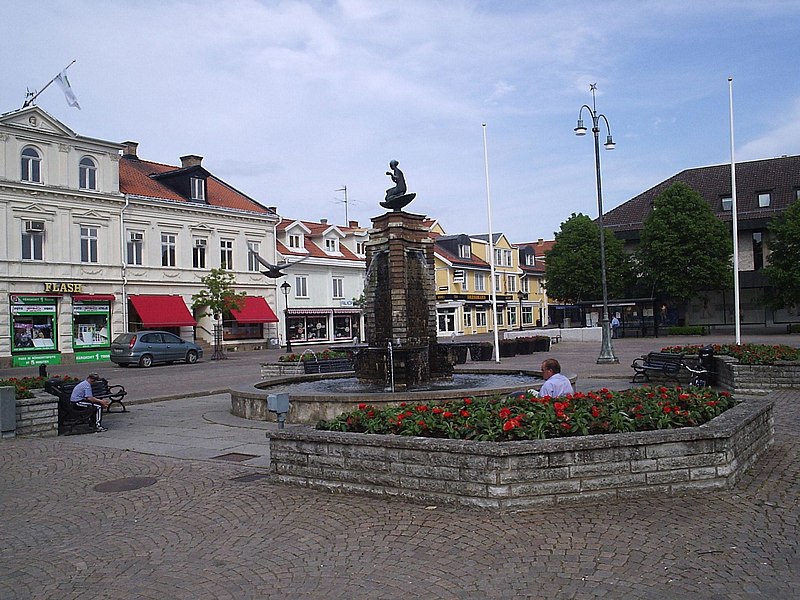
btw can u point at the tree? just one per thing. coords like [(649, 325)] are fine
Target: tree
[(684, 247), (219, 295), (783, 268), (572, 266)]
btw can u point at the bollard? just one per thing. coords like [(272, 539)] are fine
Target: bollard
[(279, 404), (43, 370), (8, 412)]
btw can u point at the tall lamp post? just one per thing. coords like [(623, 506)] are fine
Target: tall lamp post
[(285, 287), (606, 350), (521, 295)]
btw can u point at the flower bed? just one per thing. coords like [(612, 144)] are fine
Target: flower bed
[(328, 354), (24, 386), (593, 468), (745, 354)]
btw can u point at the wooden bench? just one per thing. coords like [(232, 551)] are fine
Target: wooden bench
[(666, 365), (113, 393)]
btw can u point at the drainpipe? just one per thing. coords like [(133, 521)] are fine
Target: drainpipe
[(124, 263)]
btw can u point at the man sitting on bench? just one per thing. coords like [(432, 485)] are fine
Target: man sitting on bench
[(82, 396)]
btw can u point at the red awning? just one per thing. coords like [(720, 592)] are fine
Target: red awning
[(254, 310), (110, 297), (162, 311)]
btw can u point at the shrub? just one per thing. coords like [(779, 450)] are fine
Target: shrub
[(793, 328), (326, 354), (526, 416), (746, 354), (24, 385), (687, 330)]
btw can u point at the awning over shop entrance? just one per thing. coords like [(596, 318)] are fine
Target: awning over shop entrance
[(162, 311), (254, 310)]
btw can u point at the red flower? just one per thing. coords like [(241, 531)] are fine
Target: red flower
[(509, 425), (505, 413), (422, 408), (362, 406), (437, 410), (566, 426), (371, 414), (711, 403), (467, 401), (447, 414), (667, 409), (683, 397), (464, 413), (595, 412)]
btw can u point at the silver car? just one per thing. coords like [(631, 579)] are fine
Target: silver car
[(145, 348)]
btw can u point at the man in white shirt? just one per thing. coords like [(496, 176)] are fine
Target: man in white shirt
[(555, 384), (82, 396)]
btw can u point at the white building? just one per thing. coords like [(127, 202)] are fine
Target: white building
[(98, 241)]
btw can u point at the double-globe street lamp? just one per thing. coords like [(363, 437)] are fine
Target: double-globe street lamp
[(606, 350), (285, 287)]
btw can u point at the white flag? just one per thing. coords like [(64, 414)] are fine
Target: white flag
[(63, 82)]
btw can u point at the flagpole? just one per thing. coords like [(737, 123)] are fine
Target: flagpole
[(734, 211), (491, 250), (29, 101)]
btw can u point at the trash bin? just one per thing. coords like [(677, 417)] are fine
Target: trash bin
[(706, 356)]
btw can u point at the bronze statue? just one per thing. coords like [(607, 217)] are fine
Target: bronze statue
[(396, 197)]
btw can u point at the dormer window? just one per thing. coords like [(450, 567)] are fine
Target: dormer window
[(727, 204), (464, 251), (764, 199), (331, 245), (198, 189), (530, 260), (295, 240), (31, 165), (87, 174), (360, 248)]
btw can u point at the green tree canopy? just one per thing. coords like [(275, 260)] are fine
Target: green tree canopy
[(684, 247), (219, 295), (783, 268), (572, 266)]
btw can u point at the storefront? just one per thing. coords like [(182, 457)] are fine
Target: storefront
[(323, 325), (169, 313), (91, 331), (34, 330), (346, 324), (247, 323)]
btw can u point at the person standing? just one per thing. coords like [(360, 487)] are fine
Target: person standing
[(615, 327), (82, 396), (555, 384)]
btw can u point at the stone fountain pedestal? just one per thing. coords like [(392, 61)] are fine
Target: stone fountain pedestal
[(400, 305)]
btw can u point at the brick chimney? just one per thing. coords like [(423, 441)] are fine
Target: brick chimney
[(191, 160), (130, 149), (353, 224), (323, 221)]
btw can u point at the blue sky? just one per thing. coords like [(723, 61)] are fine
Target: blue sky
[(291, 101)]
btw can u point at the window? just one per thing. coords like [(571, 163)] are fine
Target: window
[(524, 284), (33, 240), (301, 286), (345, 327), (797, 194), (135, 247), (500, 320), (87, 174), (764, 199), (511, 283), (467, 319), (512, 316), (360, 248), (530, 259), (338, 287), (88, 244), (295, 240), (167, 249), (508, 258), (527, 315), (226, 254), (464, 280), (758, 251), (480, 318), (498, 257), (199, 253), (252, 261), (31, 165), (480, 282), (727, 204), (447, 320), (331, 245), (497, 287), (464, 251), (198, 188)]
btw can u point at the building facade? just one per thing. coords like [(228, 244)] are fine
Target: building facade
[(99, 242)]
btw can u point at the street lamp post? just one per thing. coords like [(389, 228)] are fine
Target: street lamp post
[(285, 287), (606, 350), (521, 296)]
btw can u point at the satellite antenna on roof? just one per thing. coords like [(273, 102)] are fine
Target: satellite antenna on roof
[(30, 96)]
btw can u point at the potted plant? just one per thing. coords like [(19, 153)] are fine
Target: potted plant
[(481, 351)]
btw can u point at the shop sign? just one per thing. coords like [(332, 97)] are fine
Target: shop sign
[(32, 360), (82, 357), (55, 287), (33, 301), (90, 308), (477, 297)]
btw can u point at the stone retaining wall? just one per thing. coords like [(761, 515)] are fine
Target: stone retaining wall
[(270, 370), (525, 474), (37, 416), (755, 379)]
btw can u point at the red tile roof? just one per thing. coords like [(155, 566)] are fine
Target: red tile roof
[(316, 230)]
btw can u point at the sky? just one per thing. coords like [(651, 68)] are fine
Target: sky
[(290, 102)]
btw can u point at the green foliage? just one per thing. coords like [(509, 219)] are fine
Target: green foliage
[(687, 330), (219, 295), (746, 354), (527, 417), (572, 267), (684, 247), (23, 385), (326, 354), (783, 270)]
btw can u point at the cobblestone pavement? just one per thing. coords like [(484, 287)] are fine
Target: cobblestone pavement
[(210, 528)]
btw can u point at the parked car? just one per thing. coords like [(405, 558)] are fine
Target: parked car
[(145, 348)]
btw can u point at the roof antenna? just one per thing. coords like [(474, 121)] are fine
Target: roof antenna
[(344, 189), (30, 96)]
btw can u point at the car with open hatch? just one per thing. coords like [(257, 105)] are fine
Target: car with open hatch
[(146, 348)]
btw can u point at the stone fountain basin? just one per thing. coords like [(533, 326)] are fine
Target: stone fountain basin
[(250, 402)]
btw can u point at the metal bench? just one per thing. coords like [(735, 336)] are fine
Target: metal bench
[(113, 393), (666, 365)]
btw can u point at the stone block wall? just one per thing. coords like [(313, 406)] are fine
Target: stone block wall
[(37, 416), (755, 379), (270, 370), (526, 474)]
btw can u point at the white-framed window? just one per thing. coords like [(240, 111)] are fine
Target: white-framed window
[(31, 165), (480, 282), (480, 318), (301, 286), (87, 174), (338, 287), (467, 318), (252, 261), (295, 240), (512, 316), (727, 204), (465, 282), (764, 199), (331, 245), (33, 240), (446, 320), (199, 253), (226, 254), (498, 257), (524, 284), (88, 244), (360, 248), (168, 241), (198, 188), (530, 260), (498, 283), (135, 248), (464, 251), (511, 283), (508, 257), (527, 315), (500, 319)]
